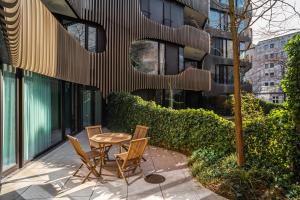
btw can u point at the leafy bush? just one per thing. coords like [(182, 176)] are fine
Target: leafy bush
[(253, 107), (181, 130), (291, 82), (271, 145)]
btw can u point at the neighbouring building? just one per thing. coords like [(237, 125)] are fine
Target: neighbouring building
[(60, 59), (269, 67)]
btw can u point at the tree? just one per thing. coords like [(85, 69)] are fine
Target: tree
[(291, 83), (250, 13)]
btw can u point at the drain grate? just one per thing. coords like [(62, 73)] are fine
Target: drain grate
[(155, 179)]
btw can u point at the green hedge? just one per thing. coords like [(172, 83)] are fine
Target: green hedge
[(181, 130)]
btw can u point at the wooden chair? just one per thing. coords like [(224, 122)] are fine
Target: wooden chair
[(89, 159), (140, 132), (131, 160), (95, 130)]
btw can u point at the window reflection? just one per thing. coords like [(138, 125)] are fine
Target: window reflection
[(224, 74), (153, 57), (91, 37), (165, 12)]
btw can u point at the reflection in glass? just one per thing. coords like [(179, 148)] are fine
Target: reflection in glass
[(92, 42), (42, 121), (78, 31), (144, 56), (9, 118), (86, 108)]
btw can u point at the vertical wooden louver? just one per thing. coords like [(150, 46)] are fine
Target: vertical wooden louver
[(40, 44)]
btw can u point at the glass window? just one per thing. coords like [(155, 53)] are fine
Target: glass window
[(272, 74), (224, 74), (78, 31), (224, 2), (271, 46), (87, 118), (177, 17), (219, 20), (144, 56), (156, 10), (229, 49), (266, 56), (162, 59), (98, 107), (272, 83), (92, 41), (9, 118), (181, 59), (271, 65), (145, 8), (271, 55), (214, 19), (239, 3), (266, 84), (242, 50), (42, 111), (266, 66), (266, 74)]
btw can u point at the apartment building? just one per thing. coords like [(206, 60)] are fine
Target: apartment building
[(219, 62), (269, 67), (60, 59)]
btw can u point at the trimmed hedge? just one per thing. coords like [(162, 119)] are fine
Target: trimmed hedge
[(181, 130)]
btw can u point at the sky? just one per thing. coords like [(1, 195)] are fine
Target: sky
[(279, 25)]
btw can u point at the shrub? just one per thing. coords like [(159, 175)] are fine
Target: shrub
[(272, 144), (182, 130), (291, 82)]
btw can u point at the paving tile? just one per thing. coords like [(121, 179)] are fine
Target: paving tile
[(110, 190), (50, 177)]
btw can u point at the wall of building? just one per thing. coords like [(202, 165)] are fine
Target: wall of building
[(268, 68)]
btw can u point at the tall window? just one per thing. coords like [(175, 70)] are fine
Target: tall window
[(9, 118), (224, 74), (222, 47), (154, 57), (145, 56), (169, 13), (42, 116), (219, 20)]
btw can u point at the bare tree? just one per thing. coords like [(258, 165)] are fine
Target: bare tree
[(273, 12)]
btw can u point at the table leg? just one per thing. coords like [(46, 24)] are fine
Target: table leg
[(120, 148)]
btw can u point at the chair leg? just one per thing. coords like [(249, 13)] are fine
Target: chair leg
[(74, 174), (87, 176)]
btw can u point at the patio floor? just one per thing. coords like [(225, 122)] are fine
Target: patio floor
[(50, 177)]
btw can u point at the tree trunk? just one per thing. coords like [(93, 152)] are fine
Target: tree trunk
[(237, 86)]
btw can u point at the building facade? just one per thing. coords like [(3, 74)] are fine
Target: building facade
[(220, 60), (269, 67), (60, 59)]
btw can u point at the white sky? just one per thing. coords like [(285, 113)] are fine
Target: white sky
[(259, 32)]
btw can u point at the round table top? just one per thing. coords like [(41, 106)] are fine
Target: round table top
[(111, 138)]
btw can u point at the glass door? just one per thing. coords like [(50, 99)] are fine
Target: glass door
[(9, 139)]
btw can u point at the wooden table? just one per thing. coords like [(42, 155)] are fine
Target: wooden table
[(111, 138)]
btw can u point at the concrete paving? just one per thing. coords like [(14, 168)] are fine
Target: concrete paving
[(50, 177)]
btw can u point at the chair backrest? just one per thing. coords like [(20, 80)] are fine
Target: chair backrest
[(136, 149), (77, 147), (93, 130), (140, 132)]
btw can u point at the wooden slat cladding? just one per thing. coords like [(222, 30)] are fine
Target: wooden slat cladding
[(39, 43)]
